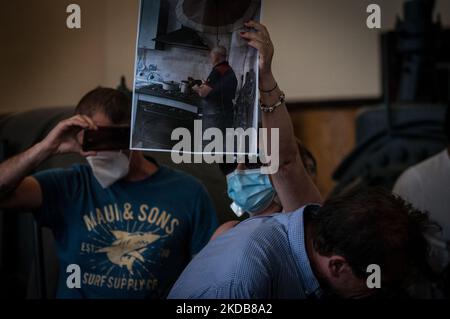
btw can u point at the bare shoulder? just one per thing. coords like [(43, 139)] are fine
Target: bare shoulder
[(224, 228)]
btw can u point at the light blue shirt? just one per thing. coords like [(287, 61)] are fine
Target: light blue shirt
[(262, 257)]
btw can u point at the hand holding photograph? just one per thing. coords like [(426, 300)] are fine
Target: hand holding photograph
[(194, 71)]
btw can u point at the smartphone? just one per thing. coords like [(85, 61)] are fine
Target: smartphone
[(107, 139)]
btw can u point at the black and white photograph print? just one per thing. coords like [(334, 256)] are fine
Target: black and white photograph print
[(194, 70)]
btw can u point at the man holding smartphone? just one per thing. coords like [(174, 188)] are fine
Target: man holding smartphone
[(117, 218)]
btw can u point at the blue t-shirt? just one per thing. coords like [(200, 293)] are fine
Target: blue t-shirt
[(263, 257), (131, 240)]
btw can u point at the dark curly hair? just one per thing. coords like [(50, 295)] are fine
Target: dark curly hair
[(372, 226)]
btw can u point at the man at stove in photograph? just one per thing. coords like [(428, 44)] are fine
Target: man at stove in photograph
[(218, 91)]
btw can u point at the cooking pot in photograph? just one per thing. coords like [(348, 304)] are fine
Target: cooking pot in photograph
[(185, 87), (171, 86)]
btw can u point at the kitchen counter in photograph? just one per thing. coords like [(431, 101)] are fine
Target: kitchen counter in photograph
[(174, 98), (158, 112)]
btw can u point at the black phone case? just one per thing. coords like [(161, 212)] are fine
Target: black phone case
[(107, 139)]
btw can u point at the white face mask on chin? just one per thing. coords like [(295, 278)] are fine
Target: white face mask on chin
[(109, 167)]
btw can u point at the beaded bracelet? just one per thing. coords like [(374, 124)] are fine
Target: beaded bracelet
[(270, 109), (269, 91)]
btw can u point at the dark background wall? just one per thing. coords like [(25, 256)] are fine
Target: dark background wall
[(324, 52)]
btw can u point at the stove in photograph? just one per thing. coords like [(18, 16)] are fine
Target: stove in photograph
[(189, 102), (158, 112)]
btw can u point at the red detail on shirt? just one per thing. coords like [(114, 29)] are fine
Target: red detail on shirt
[(222, 68)]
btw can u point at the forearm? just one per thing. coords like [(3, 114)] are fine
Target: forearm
[(280, 119), (15, 169), (292, 182), (204, 90)]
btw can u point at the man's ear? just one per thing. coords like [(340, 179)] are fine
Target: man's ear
[(337, 265)]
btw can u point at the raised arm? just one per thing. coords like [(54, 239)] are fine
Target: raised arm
[(292, 182), (17, 189)]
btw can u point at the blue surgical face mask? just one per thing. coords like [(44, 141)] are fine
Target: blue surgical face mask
[(250, 190)]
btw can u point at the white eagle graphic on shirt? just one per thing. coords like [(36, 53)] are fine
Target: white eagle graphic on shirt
[(128, 247)]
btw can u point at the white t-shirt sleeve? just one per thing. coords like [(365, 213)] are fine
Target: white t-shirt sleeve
[(409, 187)]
